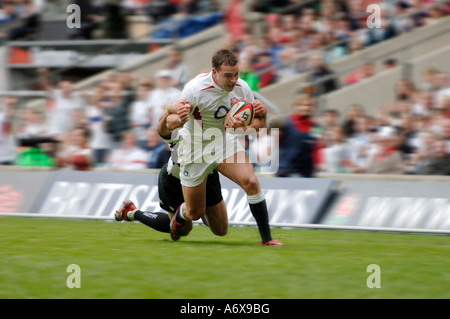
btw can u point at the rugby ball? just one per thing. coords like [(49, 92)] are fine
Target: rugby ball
[(244, 110)]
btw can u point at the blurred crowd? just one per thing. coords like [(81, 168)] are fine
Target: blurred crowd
[(21, 19), (411, 135), (332, 28), (112, 125), (22, 16)]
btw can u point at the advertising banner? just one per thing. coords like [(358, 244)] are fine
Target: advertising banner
[(19, 190), (290, 201), (301, 202), (407, 205), (99, 194)]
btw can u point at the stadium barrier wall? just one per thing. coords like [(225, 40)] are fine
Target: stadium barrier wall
[(323, 203), (391, 205)]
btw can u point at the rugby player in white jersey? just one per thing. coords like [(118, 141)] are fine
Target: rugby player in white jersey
[(209, 97), (170, 191)]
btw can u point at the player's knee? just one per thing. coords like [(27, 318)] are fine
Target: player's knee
[(196, 213), (250, 184), (220, 231)]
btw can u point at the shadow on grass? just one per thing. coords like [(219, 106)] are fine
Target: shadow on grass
[(212, 242)]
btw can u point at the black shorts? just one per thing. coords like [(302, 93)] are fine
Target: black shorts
[(171, 193)]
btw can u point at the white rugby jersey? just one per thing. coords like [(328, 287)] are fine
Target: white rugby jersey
[(210, 103)]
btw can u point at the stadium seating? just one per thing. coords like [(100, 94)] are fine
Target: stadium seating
[(426, 40)]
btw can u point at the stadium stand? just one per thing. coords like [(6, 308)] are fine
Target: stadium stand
[(292, 34)]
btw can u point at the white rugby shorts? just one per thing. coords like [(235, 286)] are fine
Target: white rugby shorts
[(198, 160)]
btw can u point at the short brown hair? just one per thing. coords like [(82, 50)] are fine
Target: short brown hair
[(224, 56)]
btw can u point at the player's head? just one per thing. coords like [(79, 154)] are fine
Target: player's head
[(225, 69)]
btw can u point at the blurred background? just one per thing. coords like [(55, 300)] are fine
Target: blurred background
[(367, 101)]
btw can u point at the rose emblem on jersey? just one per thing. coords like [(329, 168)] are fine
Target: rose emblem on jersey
[(234, 100)]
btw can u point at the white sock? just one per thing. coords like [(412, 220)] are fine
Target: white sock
[(255, 199), (181, 212), (130, 215)]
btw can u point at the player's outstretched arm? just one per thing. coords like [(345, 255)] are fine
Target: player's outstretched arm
[(163, 130), (171, 119)]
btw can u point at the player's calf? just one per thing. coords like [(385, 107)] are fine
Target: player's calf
[(180, 225)]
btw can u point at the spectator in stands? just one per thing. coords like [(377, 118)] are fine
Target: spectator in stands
[(422, 156), (64, 101), (179, 70), (364, 72), (424, 104), (79, 118), (300, 142), (443, 87), (307, 23), (164, 94), (408, 135), (76, 153), (246, 73), (88, 21), (439, 163), (352, 113), (29, 16), (158, 150), (335, 50), (387, 27), (8, 12), (318, 71), (336, 153), (231, 43), (390, 63), (382, 118), (329, 121), (34, 124), (404, 90), (434, 14), (287, 71), (355, 44), (43, 81), (356, 11), (429, 79), (386, 158), (140, 114), (446, 131), (444, 105), (101, 140), (114, 25), (7, 110), (159, 10), (360, 144), (117, 111), (128, 156), (127, 82), (266, 77), (325, 14), (248, 47), (234, 18), (341, 29)]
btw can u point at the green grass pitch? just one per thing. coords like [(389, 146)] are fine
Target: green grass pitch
[(130, 260)]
